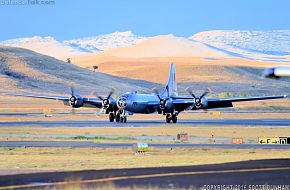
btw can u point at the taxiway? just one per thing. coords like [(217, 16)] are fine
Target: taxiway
[(249, 174), (153, 123), (92, 144)]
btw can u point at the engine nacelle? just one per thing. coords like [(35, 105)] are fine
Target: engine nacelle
[(165, 106), (106, 103), (201, 103), (76, 101), (169, 104)]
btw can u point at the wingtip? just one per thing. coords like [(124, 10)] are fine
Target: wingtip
[(285, 95)]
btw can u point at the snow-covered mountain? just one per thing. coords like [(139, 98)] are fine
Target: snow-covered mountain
[(46, 45), (106, 42), (50, 46), (166, 46), (260, 45)]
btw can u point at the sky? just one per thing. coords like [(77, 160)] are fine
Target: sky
[(71, 19)]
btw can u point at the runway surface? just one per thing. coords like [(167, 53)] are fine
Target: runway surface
[(153, 123), (91, 144), (258, 172)]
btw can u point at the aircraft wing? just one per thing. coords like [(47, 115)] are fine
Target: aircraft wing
[(179, 104), (183, 103), (227, 102), (88, 102), (37, 96)]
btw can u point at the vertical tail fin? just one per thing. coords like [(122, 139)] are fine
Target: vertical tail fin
[(171, 86)]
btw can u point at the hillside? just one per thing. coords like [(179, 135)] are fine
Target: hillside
[(222, 75), (28, 71)]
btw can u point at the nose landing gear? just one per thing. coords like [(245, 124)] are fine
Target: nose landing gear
[(123, 117), (118, 116)]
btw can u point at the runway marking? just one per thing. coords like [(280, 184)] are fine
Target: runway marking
[(110, 179)]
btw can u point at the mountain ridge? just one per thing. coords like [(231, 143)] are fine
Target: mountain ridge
[(271, 45)]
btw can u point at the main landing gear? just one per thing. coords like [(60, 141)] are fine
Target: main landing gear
[(118, 116), (111, 117), (171, 116)]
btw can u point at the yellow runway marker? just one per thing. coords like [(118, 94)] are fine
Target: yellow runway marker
[(274, 140), (110, 179)]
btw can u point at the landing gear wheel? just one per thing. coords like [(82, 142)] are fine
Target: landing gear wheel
[(118, 117), (174, 118), (168, 119), (123, 119), (111, 117)]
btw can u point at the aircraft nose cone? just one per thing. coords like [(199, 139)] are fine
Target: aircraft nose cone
[(122, 102)]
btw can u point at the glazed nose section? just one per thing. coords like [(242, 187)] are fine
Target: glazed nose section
[(122, 102)]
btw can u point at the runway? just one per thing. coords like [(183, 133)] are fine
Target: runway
[(247, 173), (153, 123), (91, 144)]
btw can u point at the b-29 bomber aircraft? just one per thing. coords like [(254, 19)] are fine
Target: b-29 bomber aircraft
[(168, 102)]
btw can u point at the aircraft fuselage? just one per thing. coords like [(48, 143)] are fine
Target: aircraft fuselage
[(138, 103)]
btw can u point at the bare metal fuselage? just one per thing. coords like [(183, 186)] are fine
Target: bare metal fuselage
[(139, 103)]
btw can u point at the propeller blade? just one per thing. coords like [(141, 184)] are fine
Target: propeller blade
[(190, 92), (156, 93), (111, 92), (102, 111), (96, 94), (208, 90), (204, 94), (72, 90)]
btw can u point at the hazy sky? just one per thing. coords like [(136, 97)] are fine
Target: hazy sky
[(68, 19)]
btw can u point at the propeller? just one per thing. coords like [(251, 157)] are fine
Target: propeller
[(197, 100), (108, 96), (105, 100), (162, 101), (72, 100)]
